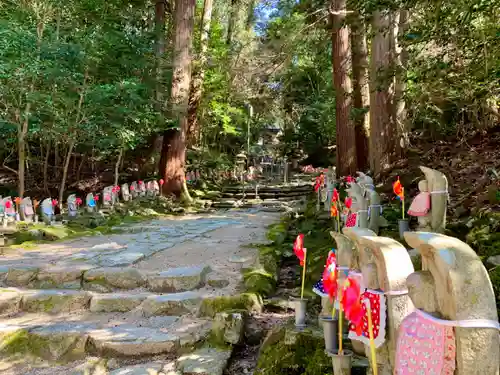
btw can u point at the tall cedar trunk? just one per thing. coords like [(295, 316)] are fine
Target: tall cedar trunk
[(196, 90), (341, 61), (361, 90), (399, 105), (380, 126), (173, 157)]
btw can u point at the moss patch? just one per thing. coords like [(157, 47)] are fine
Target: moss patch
[(21, 342), (238, 303), (290, 352), (277, 232), (54, 348), (259, 281)]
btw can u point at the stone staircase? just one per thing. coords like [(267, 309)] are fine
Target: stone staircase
[(67, 314), (276, 197)]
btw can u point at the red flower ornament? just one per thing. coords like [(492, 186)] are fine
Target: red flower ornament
[(298, 248)]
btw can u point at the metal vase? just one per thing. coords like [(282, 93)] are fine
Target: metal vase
[(404, 226), (300, 306), (342, 362), (330, 333)]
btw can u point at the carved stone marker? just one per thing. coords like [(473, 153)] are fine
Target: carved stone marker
[(125, 192), (134, 189), (142, 189), (47, 210), (330, 180), (115, 194), (27, 211), (385, 264), (72, 206), (90, 203), (107, 196), (156, 188), (359, 205), (454, 290), (9, 210), (375, 218), (150, 190), (430, 205)]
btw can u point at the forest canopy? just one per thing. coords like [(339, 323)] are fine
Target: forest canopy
[(94, 90)]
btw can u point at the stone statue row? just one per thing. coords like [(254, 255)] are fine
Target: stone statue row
[(26, 209), (429, 206), (439, 320)]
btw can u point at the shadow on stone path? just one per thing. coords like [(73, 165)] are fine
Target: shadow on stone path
[(124, 295)]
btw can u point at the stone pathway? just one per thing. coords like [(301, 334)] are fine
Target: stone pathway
[(132, 298)]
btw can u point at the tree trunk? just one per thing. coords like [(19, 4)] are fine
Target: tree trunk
[(233, 18), (46, 169), (361, 90), (399, 108), (346, 136), (117, 166), (56, 160), (79, 171), (380, 127), (73, 138), (65, 172), (196, 90), (173, 157), (22, 131)]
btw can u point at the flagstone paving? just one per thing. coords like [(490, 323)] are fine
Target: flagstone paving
[(132, 297)]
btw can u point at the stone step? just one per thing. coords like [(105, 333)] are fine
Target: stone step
[(65, 338), (103, 279), (179, 279), (262, 195), (56, 301), (67, 341), (271, 189)]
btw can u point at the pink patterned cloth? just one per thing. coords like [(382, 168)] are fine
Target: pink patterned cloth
[(420, 205), (351, 220), (28, 210), (424, 347)]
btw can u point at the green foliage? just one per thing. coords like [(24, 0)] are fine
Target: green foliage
[(484, 237), (287, 351), (77, 73), (454, 65)]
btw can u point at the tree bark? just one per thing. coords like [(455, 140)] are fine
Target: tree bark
[(341, 61), (117, 166), (79, 170), (196, 90), (73, 138), (159, 51), (46, 168), (22, 131), (380, 126), (233, 20), (399, 104), (361, 90), (173, 158), (65, 171)]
